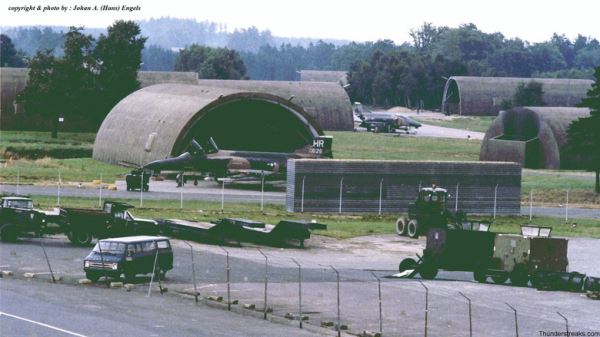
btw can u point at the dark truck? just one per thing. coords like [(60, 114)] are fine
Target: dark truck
[(113, 220), (17, 217)]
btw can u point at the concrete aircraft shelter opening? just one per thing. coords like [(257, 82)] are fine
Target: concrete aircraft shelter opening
[(160, 121)]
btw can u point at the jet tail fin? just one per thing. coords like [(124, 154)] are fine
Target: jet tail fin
[(322, 146)]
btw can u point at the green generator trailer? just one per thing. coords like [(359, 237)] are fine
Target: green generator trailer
[(520, 257)]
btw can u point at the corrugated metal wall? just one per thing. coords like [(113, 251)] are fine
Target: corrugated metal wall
[(355, 186)]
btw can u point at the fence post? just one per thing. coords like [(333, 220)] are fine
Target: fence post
[(302, 199), (566, 322), (530, 204), (154, 271), (380, 194), (266, 281), (495, 199), (299, 291), (100, 192), (456, 198), (339, 332), (470, 316), (222, 194), (48, 262), (341, 189), (58, 190), (262, 191), (18, 179), (196, 293), (380, 311), (516, 321), (102, 261), (142, 189), (426, 305), (567, 207), (228, 286)]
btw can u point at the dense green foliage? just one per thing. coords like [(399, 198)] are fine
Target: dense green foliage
[(86, 80), (584, 133), (157, 58), (9, 57), (211, 63)]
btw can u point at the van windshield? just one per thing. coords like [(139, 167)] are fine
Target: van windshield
[(27, 204), (110, 247)]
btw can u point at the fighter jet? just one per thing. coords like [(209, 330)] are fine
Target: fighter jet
[(388, 122), (208, 159)]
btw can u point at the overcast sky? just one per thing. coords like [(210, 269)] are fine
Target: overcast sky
[(367, 20)]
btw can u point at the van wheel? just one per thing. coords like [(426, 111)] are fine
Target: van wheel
[(413, 229), (92, 276), (401, 226), (129, 276), (81, 238)]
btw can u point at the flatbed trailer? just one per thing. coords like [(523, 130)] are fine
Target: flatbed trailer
[(240, 230)]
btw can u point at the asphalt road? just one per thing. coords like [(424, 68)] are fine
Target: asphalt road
[(209, 192), (45, 309), (94, 310)]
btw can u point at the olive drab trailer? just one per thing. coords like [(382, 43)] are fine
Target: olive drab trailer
[(520, 257), (453, 250)]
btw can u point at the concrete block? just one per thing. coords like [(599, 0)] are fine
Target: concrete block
[(215, 298), (371, 334), (85, 281), (7, 273), (129, 286), (327, 324), (114, 285), (249, 306), (29, 275), (343, 327)]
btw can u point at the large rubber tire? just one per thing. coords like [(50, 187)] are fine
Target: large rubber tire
[(129, 276), (428, 272), (413, 228), (480, 276), (92, 276), (519, 276), (499, 279), (401, 226), (407, 264), (8, 234), (81, 238)]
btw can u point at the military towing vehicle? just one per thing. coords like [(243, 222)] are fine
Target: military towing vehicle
[(430, 211)]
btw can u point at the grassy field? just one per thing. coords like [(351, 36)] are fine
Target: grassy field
[(366, 145), (339, 226), (472, 123), (34, 145), (46, 170)]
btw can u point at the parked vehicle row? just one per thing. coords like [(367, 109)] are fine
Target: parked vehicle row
[(81, 225)]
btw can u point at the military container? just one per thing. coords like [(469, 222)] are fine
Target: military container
[(519, 257)]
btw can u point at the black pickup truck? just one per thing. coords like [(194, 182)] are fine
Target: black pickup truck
[(113, 220), (17, 216)]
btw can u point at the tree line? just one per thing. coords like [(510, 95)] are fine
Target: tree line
[(89, 79)]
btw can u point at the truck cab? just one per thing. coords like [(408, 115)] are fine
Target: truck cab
[(113, 220), (17, 216)]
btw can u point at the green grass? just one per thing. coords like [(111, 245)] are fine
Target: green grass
[(34, 145), (339, 226), (71, 170), (366, 145), (473, 123), (551, 187)]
